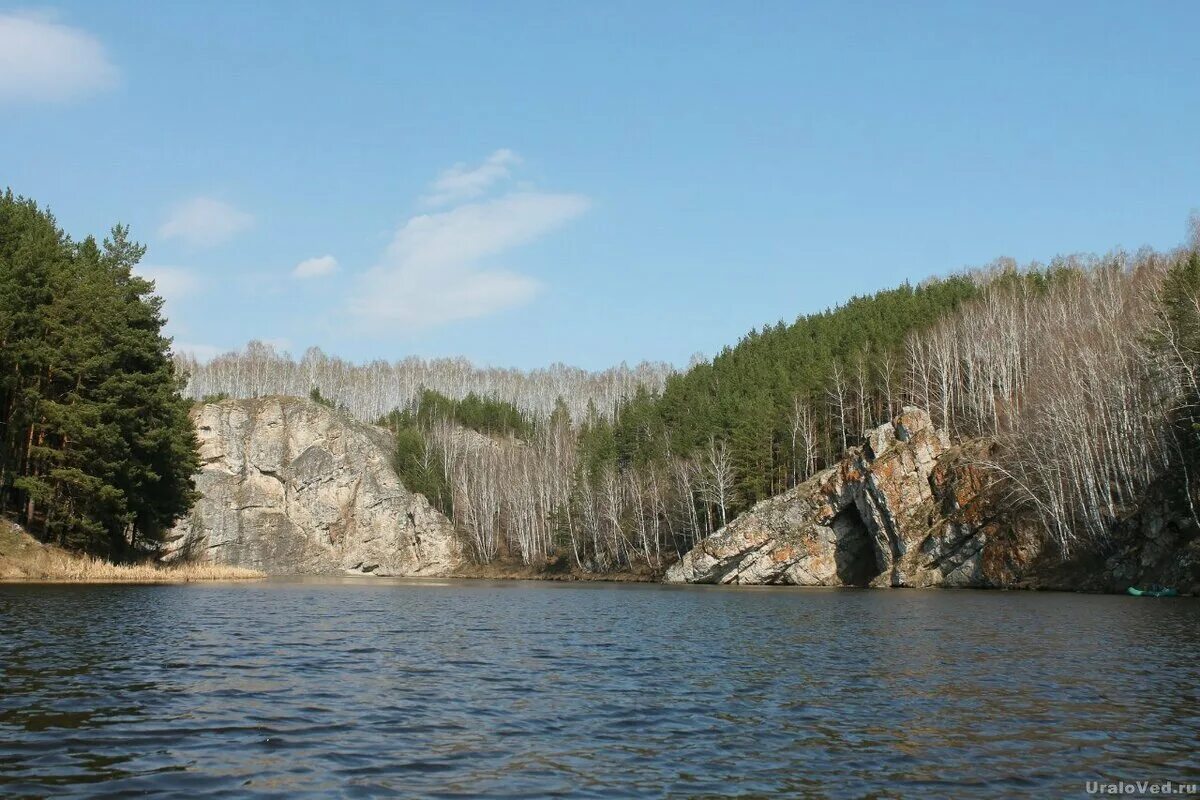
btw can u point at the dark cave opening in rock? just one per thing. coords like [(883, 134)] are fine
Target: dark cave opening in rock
[(856, 561)]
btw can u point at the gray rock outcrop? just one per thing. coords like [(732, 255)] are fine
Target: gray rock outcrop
[(903, 509), (289, 486)]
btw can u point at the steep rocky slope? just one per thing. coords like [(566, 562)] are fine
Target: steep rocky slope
[(290, 486), (907, 508), (903, 509)]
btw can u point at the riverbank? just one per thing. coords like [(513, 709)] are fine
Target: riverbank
[(560, 569), (25, 559)]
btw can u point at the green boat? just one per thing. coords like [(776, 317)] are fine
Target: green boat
[(1153, 591)]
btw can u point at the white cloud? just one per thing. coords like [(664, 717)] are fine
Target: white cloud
[(172, 284), (315, 267), (431, 273), (41, 59), (204, 222), (477, 230), (461, 183), (175, 285)]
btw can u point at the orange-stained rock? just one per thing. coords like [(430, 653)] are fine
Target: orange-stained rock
[(903, 509)]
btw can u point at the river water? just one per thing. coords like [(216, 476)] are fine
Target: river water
[(378, 687)]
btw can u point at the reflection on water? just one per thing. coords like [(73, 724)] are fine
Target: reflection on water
[(370, 686)]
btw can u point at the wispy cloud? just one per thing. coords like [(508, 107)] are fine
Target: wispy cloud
[(431, 273), (42, 59), (315, 267), (177, 285), (460, 182), (205, 222), (172, 284)]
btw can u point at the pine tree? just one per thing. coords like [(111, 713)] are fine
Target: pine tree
[(98, 449)]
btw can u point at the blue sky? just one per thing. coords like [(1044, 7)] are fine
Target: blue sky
[(524, 183)]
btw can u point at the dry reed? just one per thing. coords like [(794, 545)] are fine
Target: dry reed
[(23, 558)]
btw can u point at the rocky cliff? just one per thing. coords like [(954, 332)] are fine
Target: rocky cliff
[(289, 486), (907, 508), (903, 509)]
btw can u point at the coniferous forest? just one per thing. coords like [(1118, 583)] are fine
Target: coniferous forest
[(96, 448)]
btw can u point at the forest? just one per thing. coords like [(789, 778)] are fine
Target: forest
[(1085, 371), (371, 390), (96, 448)]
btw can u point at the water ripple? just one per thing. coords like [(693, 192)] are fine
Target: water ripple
[(364, 688)]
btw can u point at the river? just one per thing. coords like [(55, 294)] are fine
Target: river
[(375, 687)]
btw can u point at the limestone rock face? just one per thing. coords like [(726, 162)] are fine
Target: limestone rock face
[(289, 487), (903, 509)]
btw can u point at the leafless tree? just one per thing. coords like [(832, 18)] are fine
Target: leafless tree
[(803, 424), (837, 392), (373, 389), (717, 478), (1058, 369)]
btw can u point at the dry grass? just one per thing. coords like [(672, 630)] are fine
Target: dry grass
[(23, 558)]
